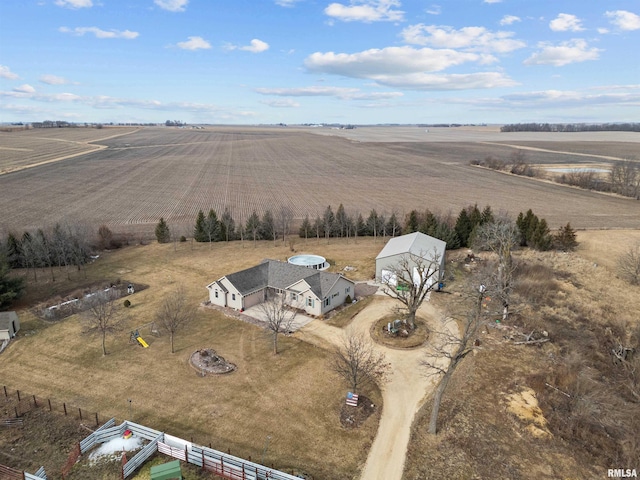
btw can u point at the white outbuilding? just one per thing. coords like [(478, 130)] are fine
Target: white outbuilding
[(9, 325), (414, 248)]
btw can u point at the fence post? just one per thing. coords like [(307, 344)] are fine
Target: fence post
[(16, 410), (80, 412), (5, 391), (49, 400), (97, 423), (202, 452), (35, 402), (18, 392), (64, 405)]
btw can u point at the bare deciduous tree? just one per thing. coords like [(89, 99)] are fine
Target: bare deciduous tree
[(411, 279), (358, 363), (103, 314), (278, 316), (448, 349), (629, 265), (500, 237), (285, 217), (175, 313)]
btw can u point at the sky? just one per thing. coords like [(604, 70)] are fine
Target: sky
[(318, 61)]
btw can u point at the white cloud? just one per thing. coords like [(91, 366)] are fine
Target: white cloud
[(323, 91), (392, 60), (566, 22), (281, 103), (624, 20), (492, 1), (172, 5), (286, 3), (99, 33), (603, 31), (568, 98), (255, 46), (366, 11), (572, 51), (470, 38), (194, 43), (509, 19), (434, 10), (5, 72), (74, 3), (53, 80), (26, 88), (458, 81)]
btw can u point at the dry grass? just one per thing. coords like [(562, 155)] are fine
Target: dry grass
[(170, 173), (482, 435), (291, 396)]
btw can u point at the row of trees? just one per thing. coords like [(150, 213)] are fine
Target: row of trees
[(571, 127), (67, 245)]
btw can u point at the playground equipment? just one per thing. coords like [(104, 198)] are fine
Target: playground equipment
[(135, 337)]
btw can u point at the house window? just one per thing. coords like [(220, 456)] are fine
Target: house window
[(294, 296), (233, 296), (347, 290), (327, 301), (309, 302), (216, 293), (335, 294)]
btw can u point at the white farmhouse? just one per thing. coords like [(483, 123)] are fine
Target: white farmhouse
[(314, 291), (412, 247)]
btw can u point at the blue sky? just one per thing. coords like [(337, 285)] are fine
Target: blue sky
[(312, 61)]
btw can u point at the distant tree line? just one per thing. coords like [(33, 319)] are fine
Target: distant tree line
[(571, 127)]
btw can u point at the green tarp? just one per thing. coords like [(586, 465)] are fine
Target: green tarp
[(166, 471)]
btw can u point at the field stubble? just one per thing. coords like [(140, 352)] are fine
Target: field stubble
[(170, 173)]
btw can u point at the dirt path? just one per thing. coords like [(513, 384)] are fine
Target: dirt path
[(537, 149), (403, 394), (89, 144)]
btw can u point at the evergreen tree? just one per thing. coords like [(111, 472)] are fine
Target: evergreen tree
[(475, 217), (447, 234), (542, 239), (412, 222), (10, 288), (565, 239), (341, 222), (199, 233), (253, 226), (227, 226), (373, 224), (14, 258), (267, 226), (328, 222), (212, 227), (305, 228), (360, 226), (463, 227), (163, 235), (487, 215), (429, 224)]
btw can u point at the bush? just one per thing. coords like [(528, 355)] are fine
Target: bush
[(127, 303), (183, 239), (348, 300)]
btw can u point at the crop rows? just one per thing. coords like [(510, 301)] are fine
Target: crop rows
[(172, 173)]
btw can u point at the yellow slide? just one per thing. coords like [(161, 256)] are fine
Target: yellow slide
[(142, 342)]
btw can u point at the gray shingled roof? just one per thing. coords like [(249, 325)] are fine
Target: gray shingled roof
[(281, 275), (6, 318)]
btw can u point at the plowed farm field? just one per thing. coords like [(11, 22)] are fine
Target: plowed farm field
[(144, 174)]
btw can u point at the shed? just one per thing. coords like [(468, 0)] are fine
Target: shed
[(413, 246), (167, 471), (9, 325)]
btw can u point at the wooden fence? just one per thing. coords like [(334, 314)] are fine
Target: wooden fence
[(24, 402), (8, 473)]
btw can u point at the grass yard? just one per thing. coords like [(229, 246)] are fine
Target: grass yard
[(292, 396)]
